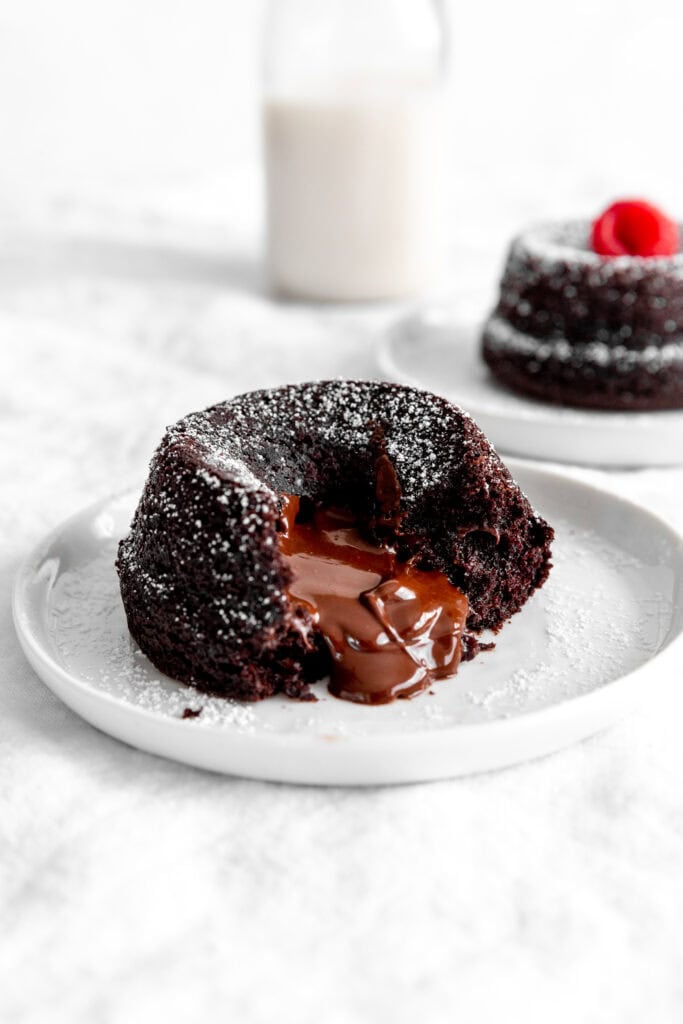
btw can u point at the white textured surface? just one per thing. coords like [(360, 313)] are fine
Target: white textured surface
[(132, 889)]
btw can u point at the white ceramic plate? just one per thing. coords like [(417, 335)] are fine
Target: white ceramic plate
[(576, 658), (435, 350)]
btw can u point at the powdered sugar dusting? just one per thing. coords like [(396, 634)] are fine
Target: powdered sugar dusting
[(232, 468), (552, 242), (340, 414), (501, 336)]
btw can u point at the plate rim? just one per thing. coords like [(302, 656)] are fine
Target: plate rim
[(605, 704)]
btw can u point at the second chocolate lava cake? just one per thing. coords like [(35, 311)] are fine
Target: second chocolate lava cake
[(574, 327), (203, 580)]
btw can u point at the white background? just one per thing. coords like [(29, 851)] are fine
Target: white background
[(131, 292), (557, 104)]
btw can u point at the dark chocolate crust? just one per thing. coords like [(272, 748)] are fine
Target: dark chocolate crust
[(575, 328), (202, 579)]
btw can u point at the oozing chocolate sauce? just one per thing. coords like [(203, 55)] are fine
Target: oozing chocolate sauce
[(391, 628)]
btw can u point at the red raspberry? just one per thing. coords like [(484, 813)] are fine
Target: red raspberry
[(632, 227)]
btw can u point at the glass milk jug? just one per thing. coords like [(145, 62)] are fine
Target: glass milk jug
[(354, 139)]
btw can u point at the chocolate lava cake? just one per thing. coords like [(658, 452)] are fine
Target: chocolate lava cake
[(237, 492), (577, 327)]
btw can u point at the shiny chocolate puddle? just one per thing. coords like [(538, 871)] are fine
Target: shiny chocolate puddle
[(391, 628)]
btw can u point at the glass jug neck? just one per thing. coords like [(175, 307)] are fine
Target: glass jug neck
[(352, 46)]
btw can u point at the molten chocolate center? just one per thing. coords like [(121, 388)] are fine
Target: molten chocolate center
[(391, 628)]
